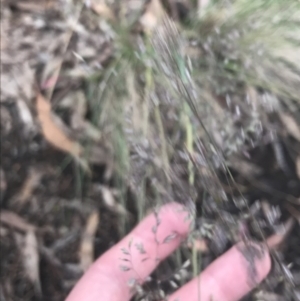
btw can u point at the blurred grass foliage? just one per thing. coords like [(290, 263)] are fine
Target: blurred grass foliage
[(174, 105), (258, 41)]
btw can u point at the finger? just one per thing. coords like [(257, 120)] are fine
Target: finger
[(230, 277), (134, 257)]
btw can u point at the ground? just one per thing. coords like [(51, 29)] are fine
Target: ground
[(101, 121)]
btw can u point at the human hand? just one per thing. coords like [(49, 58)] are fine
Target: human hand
[(135, 257)]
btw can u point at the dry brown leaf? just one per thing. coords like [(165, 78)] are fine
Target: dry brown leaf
[(34, 6), (6, 121), (29, 185), (152, 16), (298, 166), (53, 133), (291, 125), (102, 9), (31, 260), (13, 220), (87, 244)]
